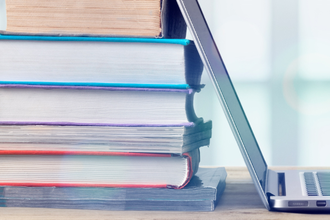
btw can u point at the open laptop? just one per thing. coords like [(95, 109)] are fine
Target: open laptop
[(290, 190)]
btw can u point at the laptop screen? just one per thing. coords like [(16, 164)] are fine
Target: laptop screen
[(225, 90)]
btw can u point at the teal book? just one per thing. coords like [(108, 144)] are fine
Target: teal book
[(99, 61)]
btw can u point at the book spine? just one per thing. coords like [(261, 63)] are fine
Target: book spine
[(198, 128), (173, 23), (193, 66), (193, 159), (190, 110)]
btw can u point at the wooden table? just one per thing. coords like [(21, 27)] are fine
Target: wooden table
[(239, 201)]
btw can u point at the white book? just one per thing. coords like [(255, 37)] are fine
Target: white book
[(21, 104), (96, 60)]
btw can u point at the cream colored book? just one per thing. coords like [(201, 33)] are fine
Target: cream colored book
[(145, 18)]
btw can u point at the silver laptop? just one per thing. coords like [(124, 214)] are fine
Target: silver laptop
[(290, 190)]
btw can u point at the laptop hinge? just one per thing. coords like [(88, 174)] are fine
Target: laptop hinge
[(272, 187), (275, 183)]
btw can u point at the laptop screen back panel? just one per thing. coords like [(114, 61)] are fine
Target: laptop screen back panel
[(226, 93)]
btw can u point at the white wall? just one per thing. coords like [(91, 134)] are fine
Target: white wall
[(278, 55)]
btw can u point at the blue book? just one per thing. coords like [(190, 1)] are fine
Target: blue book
[(100, 61)]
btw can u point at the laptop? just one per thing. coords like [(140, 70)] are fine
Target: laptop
[(288, 190)]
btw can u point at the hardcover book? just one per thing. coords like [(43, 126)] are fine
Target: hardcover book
[(202, 193), (97, 169), (97, 61), (78, 105), (147, 18)]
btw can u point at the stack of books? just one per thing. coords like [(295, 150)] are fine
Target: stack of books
[(84, 109)]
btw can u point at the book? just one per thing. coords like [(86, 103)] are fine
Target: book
[(147, 18), (127, 138), (97, 61), (202, 193), (97, 169), (78, 105)]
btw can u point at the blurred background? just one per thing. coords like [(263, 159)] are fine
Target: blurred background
[(277, 53)]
